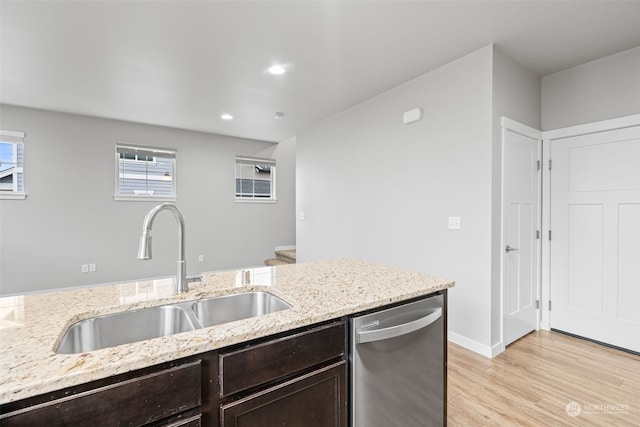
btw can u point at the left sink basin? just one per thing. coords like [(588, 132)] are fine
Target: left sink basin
[(124, 328)]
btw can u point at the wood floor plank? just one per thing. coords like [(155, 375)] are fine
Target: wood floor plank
[(537, 377)]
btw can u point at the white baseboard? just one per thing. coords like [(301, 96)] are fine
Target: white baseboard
[(472, 345), (285, 248), (497, 349), (545, 326)]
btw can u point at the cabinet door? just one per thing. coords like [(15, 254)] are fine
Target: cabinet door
[(317, 399)]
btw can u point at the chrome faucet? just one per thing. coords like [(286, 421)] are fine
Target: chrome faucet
[(144, 252)]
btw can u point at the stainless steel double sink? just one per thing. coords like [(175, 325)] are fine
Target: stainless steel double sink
[(138, 325)]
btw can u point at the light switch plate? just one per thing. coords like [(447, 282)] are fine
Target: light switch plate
[(454, 223)]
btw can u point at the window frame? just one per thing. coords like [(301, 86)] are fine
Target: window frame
[(255, 161), (155, 152), (15, 138), (136, 160)]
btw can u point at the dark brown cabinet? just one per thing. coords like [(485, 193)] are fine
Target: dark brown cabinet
[(298, 380), (316, 399), (169, 397)]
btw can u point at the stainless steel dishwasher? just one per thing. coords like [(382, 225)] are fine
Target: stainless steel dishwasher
[(398, 366)]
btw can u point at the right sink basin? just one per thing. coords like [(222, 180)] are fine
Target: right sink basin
[(229, 308)]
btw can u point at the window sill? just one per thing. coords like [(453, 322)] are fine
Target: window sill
[(13, 196), (144, 199), (247, 200)]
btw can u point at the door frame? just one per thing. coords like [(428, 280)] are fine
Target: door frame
[(547, 139), (508, 124)]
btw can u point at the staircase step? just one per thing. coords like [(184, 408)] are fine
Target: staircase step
[(288, 255), (274, 261)]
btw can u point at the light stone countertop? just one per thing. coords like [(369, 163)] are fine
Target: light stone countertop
[(31, 325)]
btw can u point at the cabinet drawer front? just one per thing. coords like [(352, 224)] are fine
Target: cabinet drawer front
[(195, 421), (317, 399), (133, 402), (269, 361)]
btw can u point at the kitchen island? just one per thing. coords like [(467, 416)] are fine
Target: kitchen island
[(32, 325)]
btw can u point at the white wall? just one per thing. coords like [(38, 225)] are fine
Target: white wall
[(70, 218), (603, 89), (284, 213), (373, 188), (516, 95)]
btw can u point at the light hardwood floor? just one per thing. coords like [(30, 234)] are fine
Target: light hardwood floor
[(533, 381)]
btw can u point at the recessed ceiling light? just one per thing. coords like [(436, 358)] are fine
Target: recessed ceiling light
[(278, 115), (226, 116), (277, 70)]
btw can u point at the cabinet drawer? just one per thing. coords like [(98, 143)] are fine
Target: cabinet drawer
[(134, 402), (272, 360), (317, 399), (194, 421)]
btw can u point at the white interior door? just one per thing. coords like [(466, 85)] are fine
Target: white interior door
[(521, 207), (595, 245)]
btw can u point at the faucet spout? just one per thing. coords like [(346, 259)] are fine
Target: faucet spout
[(144, 251)]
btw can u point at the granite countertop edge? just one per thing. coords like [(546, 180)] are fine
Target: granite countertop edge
[(318, 291)]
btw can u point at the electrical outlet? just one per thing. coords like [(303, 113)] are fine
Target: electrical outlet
[(85, 268), (92, 268)]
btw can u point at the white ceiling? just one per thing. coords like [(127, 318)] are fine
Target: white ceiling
[(183, 63)]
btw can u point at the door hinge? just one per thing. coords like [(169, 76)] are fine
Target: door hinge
[(537, 304), (549, 234), (549, 305), (549, 164), (538, 165), (537, 234)]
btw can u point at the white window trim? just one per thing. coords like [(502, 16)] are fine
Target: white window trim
[(153, 162), (144, 197), (14, 138), (255, 200), (274, 171)]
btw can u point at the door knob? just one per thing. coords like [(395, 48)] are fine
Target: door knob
[(510, 249)]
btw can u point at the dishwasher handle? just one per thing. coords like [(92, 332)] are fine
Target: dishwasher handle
[(398, 330)]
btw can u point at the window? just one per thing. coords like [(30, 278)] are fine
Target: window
[(145, 173), (255, 179), (11, 165)]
